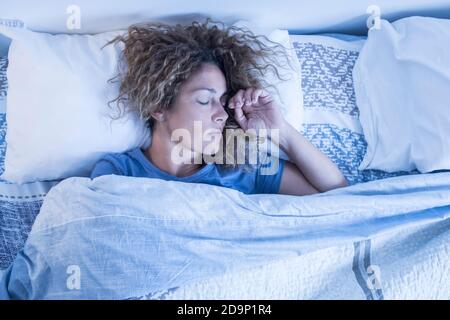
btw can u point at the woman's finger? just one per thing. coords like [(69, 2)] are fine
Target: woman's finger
[(255, 95), (265, 97), (248, 96), (239, 116), (235, 100), (231, 103), (238, 98)]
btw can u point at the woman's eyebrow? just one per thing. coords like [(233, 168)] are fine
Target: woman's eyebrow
[(208, 89)]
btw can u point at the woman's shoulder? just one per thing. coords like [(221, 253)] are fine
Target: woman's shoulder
[(112, 163), (116, 156)]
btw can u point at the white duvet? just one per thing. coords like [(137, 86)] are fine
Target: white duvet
[(118, 237)]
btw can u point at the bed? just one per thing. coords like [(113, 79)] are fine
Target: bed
[(343, 142)]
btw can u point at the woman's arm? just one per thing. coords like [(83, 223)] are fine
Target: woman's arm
[(310, 170)]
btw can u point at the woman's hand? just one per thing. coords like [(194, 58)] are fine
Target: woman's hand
[(255, 108), (309, 170)]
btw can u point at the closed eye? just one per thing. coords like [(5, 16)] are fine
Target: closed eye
[(222, 102)]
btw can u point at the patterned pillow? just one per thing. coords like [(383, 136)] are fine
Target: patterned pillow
[(331, 115), (3, 88)]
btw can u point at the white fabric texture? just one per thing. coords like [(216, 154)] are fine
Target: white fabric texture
[(409, 263), (58, 117), (402, 81), (381, 238)]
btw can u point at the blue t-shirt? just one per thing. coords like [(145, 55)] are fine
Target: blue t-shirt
[(134, 163)]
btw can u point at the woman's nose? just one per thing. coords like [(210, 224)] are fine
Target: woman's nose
[(222, 116)]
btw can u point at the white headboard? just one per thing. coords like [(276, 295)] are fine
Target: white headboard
[(298, 16)]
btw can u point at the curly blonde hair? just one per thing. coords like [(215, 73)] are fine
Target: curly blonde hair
[(157, 58)]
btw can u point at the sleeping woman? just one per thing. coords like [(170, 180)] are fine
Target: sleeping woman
[(198, 87)]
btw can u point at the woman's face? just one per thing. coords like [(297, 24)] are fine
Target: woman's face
[(198, 113)]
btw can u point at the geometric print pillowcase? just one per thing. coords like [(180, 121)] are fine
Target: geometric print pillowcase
[(331, 115)]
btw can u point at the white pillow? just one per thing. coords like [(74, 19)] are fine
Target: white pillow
[(290, 96), (57, 113), (402, 81)]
